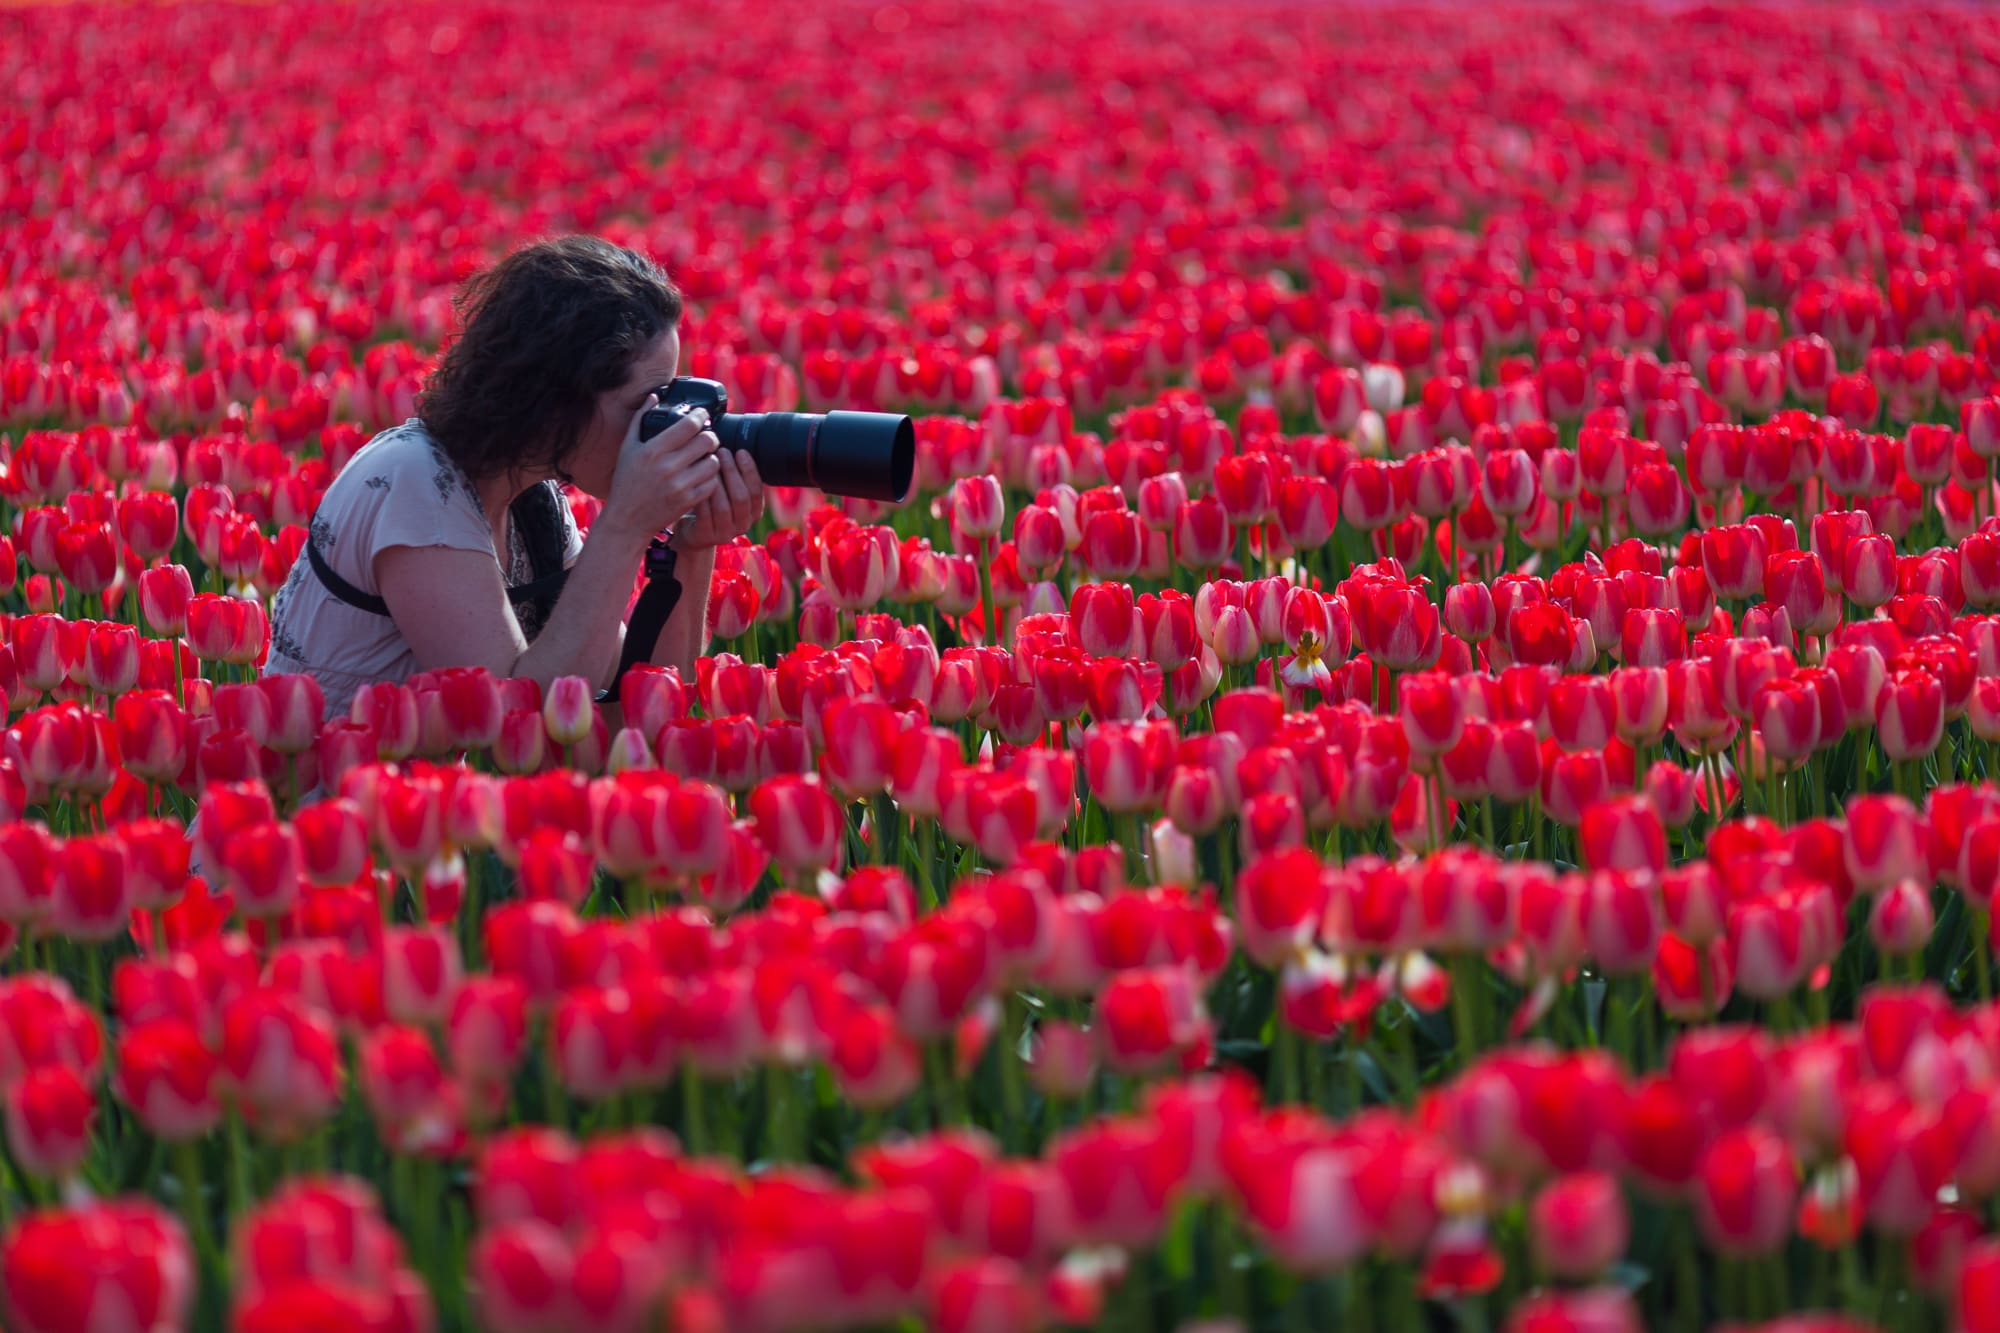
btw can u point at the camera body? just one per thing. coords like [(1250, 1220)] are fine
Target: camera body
[(682, 395), (867, 455)]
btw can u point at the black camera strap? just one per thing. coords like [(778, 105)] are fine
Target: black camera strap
[(535, 517), (656, 603), (520, 594)]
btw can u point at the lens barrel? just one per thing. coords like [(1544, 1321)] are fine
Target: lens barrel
[(866, 455)]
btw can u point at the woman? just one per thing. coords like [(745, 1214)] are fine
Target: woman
[(447, 542)]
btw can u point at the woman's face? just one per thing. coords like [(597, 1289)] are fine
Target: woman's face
[(596, 456)]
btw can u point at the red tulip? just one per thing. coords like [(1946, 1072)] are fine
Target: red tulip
[(1246, 486), (1591, 1310), (1733, 558), (111, 1265), (50, 1113), (1204, 535), (148, 523), (1121, 1177), (1976, 1299), (1307, 508), (166, 594), (1322, 1197), (1432, 717), (1040, 542), (87, 555), (226, 629), (282, 1064), (486, 1030), (170, 1078), (90, 891), (567, 710), (985, 1295), (874, 1063), (1624, 833), (1469, 612), (1542, 634), (1153, 1019), (978, 508), (1396, 625), (47, 650), (1867, 571), (861, 736), (799, 823), (421, 974), (1578, 1226), (318, 1255), (858, 565), (111, 658), (59, 747), (1900, 919), (1509, 482), (1909, 714), (1745, 1188)]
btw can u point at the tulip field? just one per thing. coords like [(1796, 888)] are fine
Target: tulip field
[(1424, 754)]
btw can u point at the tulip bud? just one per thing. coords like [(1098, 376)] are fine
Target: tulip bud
[(50, 1112), (1745, 1188), (122, 1265), (799, 823), (1868, 570), (1510, 482), (568, 709), (262, 866), (1900, 919), (170, 1078), (1909, 714), (282, 1062), (111, 658), (1469, 611), (1578, 1226), (978, 507), (873, 1062), (1431, 715)]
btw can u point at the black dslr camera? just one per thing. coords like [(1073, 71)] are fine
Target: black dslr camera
[(867, 455)]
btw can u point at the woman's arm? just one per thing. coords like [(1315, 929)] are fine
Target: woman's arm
[(685, 636), (727, 513), (452, 608), (451, 605)]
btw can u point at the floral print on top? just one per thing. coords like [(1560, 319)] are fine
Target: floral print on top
[(398, 490)]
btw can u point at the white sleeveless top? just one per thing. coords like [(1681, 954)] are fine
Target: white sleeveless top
[(399, 490)]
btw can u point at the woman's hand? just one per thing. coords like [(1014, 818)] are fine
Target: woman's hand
[(659, 481), (729, 510)]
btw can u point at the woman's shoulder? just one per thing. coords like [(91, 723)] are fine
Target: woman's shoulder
[(408, 444), (408, 458)]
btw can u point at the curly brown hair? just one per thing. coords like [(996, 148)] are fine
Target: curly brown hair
[(540, 335)]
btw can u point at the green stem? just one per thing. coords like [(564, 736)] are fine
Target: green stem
[(784, 1129), (1128, 834), (888, 825), (1013, 1103), (694, 1129), (1464, 1022), (927, 863), (1283, 1074), (238, 1152), (187, 1162), (1687, 1272), (1228, 1278), (1982, 918), (555, 1099)]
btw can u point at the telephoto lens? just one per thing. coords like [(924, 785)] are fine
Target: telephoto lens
[(865, 455)]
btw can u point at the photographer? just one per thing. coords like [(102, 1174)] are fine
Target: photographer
[(447, 541)]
